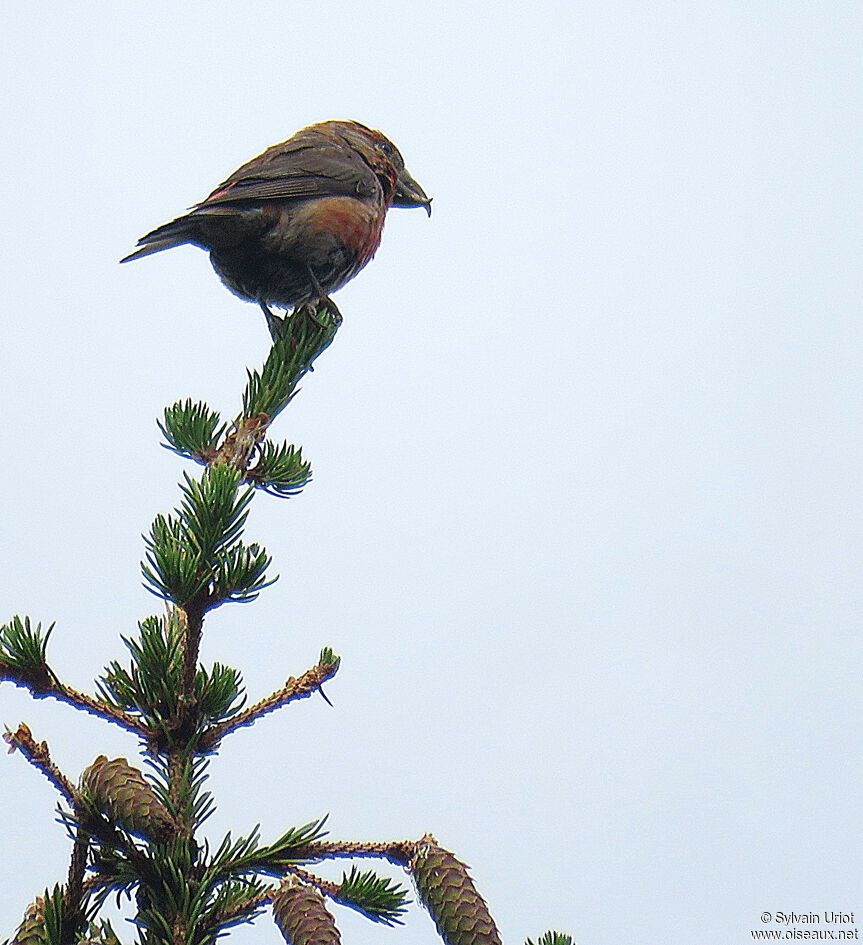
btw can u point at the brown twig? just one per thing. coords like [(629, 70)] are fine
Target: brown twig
[(79, 700), (176, 762), (38, 755), (74, 895), (94, 884), (193, 625), (39, 680), (326, 886), (399, 852), (309, 683), (240, 444)]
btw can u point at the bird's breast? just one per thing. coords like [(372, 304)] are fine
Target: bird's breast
[(356, 224)]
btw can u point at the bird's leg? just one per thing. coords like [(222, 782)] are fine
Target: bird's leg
[(316, 286), (320, 296), (274, 323)]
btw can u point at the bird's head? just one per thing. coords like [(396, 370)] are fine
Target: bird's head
[(385, 159)]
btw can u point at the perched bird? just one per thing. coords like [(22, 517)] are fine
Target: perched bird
[(301, 219)]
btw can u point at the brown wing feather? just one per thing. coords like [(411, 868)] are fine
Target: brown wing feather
[(308, 165)]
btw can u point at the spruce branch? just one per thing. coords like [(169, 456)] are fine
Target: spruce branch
[(219, 692), (376, 897), (194, 557), (552, 937), (173, 570), (399, 852), (23, 662), (57, 931), (241, 574), (103, 710), (212, 510), (74, 896), (373, 896), (178, 781), (179, 786), (118, 864), (192, 430), (280, 471), (236, 859), (22, 656), (310, 682), (99, 886), (38, 755), (192, 629), (234, 902), (147, 690), (242, 442), (150, 685), (327, 886), (302, 337), (172, 900), (244, 911), (100, 933), (108, 840)]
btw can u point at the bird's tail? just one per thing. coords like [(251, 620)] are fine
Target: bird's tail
[(167, 236)]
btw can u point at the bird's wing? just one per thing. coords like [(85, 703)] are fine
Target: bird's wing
[(305, 166)]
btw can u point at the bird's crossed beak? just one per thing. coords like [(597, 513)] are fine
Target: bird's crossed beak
[(410, 194)]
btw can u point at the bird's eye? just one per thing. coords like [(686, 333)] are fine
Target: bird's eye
[(391, 153)]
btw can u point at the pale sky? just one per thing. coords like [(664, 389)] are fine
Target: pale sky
[(585, 524)]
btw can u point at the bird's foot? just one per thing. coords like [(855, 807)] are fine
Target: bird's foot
[(326, 305), (320, 301), (322, 312)]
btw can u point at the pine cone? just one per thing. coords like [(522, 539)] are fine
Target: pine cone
[(124, 794), (448, 892), (301, 915), (31, 931)]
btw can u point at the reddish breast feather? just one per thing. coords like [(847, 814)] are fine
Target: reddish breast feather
[(354, 223)]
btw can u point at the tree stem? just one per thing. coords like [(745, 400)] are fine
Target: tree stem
[(194, 624)]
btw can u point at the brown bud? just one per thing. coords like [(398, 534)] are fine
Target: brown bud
[(123, 793), (448, 892), (301, 915)]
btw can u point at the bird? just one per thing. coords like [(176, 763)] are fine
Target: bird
[(301, 219)]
